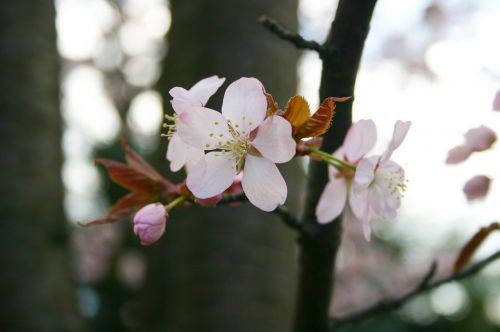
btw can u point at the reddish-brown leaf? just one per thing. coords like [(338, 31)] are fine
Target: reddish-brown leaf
[(297, 112), (470, 248), (320, 122), (130, 178), (124, 208), (272, 106)]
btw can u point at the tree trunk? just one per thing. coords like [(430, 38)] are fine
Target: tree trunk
[(230, 268), (36, 292)]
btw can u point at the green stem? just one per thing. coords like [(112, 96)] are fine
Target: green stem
[(176, 201), (330, 158)]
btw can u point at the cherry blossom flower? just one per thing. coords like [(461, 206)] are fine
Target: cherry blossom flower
[(241, 138), (477, 187), (179, 153), (359, 140), (378, 184), (149, 223), (476, 140)]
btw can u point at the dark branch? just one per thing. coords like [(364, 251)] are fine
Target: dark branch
[(424, 286), (297, 40), (286, 216)]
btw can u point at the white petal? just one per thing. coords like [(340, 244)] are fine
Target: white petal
[(193, 156), (274, 140), (263, 184), (332, 201), (213, 174), (245, 104), (365, 171), (176, 153), (204, 89), (359, 203), (359, 140), (183, 100), (202, 128), (398, 135)]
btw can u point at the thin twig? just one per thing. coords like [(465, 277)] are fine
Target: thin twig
[(423, 286), (282, 211), (296, 39)]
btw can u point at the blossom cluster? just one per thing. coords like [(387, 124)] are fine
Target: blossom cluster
[(235, 151)]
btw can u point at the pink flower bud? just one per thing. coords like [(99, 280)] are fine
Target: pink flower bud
[(149, 223), (477, 187)]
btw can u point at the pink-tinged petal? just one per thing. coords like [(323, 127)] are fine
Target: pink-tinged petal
[(360, 207), (365, 171), (360, 139), (458, 154), (193, 156), (477, 187), (245, 104), (274, 140), (213, 174), (332, 201), (263, 184), (202, 128), (398, 135), (183, 101), (480, 138), (204, 89), (496, 102), (176, 153)]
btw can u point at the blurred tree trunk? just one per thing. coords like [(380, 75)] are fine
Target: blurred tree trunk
[(225, 269), (36, 292)]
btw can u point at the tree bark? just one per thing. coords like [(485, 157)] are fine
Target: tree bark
[(229, 268), (318, 253), (36, 290)]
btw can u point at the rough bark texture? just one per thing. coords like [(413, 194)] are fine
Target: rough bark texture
[(318, 254), (36, 293), (225, 269)]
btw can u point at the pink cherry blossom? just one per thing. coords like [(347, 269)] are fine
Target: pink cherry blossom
[(149, 223), (476, 140), (359, 140), (477, 187), (378, 184), (241, 138), (179, 153)]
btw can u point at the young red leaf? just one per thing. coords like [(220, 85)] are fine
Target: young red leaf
[(123, 208), (470, 248)]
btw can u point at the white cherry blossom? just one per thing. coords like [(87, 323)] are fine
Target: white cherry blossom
[(240, 138), (178, 152)]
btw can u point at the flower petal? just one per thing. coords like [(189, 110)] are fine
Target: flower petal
[(213, 174), (480, 138), (398, 135), (365, 171), (176, 153), (263, 184), (202, 128), (332, 200), (360, 139), (245, 104), (274, 140), (204, 89), (183, 100), (458, 154), (477, 187), (496, 102)]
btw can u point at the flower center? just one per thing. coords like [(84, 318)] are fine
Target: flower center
[(234, 149), (396, 182), (170, 125)]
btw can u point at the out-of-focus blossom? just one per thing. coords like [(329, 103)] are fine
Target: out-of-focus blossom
[(378, 183), (496, 102), (241, 138), (179, 153), (477, 187), (149, 223), (476, 140)]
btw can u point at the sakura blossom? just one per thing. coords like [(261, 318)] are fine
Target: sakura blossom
[(240, 138), (149, 223), (376, 185), (477, 187), (476, 140), (178, 152)]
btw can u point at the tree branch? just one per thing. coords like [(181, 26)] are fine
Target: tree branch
[(296, 39), (423, 286)]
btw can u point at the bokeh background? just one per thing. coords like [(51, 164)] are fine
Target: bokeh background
[(77, 75)]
